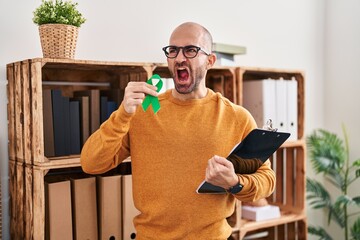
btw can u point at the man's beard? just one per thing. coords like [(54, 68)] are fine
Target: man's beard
[(195, 75)]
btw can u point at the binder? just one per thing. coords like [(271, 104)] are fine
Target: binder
[(103, 109), (84, 208), (49, 147), (84, 117), (292, 108), (281, 105), (75, 141), (258, 145), (94, 107), (128, 208), (259, 98), (58, 224), (61, 117), (109, 207)]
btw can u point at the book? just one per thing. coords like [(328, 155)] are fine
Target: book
[(94, 107), (248, 155), (75, 141), (260, 213), (84, 117), (61, 118)]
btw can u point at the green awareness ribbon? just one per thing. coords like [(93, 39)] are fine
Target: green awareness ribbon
[(149, 99)]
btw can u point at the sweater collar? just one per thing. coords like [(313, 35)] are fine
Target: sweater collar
[(210, 94)]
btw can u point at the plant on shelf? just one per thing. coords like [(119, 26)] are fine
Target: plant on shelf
[(58, 12), (59, 23), (329, 155)]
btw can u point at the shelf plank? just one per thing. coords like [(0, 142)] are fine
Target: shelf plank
[(286, 217)]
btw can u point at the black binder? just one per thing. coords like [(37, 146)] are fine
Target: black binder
[(258, 144)]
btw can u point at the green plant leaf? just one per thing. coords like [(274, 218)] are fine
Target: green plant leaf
[(356, 200), (344, 200), (326, 151), (356, 163), (355, 230), (357, 173), (320, 232), (59, 11), (338, 215), (317, 194), (335, 178)]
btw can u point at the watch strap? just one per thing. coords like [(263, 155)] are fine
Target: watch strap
[(235, 189)]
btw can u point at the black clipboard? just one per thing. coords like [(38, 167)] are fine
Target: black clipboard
[(258, 144)]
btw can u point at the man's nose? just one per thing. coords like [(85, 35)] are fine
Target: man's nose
[(180, 57)]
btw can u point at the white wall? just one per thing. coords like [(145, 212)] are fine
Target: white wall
[(280, 34), (342, 80)]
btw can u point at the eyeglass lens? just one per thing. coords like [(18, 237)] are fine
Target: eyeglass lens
[(188, 51)]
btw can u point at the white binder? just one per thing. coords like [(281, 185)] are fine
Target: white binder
[(128, 208), (281, 106), (259, 97), (292, 108)]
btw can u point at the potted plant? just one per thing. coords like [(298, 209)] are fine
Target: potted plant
[(59, 23), (329, 155)]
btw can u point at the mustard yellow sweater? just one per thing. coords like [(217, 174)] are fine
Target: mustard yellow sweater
[(169, 153)]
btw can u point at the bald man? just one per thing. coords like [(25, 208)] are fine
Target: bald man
[(174, 150)]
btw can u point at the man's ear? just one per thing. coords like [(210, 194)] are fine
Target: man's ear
[(211, 60)]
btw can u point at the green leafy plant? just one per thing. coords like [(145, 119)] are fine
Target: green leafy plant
[(58, 11), (329, 155)]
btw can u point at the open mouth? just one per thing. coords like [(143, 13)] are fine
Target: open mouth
[(182, 74)]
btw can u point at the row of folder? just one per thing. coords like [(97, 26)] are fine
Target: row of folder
[(90, 208), (275, 99)]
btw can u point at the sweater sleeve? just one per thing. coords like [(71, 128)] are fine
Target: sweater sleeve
[(257, 185), (109, 145)]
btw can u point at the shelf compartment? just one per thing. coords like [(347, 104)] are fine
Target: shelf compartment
[(248, 73), (26, 80), (27, 194)]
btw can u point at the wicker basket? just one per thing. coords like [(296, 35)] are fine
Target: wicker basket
[(58, 40)]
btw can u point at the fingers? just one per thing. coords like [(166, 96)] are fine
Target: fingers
[(135, 92), (220, 172), (217, 166), (222, 161)]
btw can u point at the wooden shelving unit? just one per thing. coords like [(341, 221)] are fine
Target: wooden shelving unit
[(289, 165), (29, 166)]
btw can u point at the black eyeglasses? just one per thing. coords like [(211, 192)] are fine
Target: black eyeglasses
[(189, 51)]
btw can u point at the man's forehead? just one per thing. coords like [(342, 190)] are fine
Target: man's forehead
[(186, 38)]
